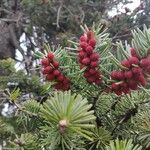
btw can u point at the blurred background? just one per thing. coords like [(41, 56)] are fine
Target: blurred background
[(26, 24)]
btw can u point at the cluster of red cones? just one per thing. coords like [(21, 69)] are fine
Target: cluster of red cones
[(134, 73), (53, 73), (88, 58), (133, 76)]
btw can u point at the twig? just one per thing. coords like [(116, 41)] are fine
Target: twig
[(58, 16), (144, 102), (82, 16), (15, 104), (18, 19), (112, 107), (8, 20), (27, 112), (128, 114), (6, 11), (121, 36)]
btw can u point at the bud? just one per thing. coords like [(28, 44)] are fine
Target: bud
[(62, 125), (133, 60), (50, 77), (55, 64), (50, 56), (92, 42), (133, 52), (44, 62), (125, 63), (94, 57), (128, 74), (83, 45), (89, 49), (94, 64), (86, 61), (56, 72), (83, 38), (145, 62)]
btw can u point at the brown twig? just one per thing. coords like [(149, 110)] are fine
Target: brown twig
[(121, 36)]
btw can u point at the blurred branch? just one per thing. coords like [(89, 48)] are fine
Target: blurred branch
[(82, 16), (14, 39), (58, 15), (6, 11), (122, 36), (8, 20)]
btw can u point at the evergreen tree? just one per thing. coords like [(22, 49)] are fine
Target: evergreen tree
[(92, 92), (96, 98)]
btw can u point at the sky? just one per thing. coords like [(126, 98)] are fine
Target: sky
[(121, 7)]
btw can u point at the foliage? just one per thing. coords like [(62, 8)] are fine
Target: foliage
[(142, 122), (123, 145), (7, 66), (61, 120), (26, 142), (14, 94), (89, 116), (66, 115), (104, 119), (101, 138)]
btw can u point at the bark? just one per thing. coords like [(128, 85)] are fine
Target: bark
[(10, 26), (6, 48)]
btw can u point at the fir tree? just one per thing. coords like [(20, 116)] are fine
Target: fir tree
[(95, 96)]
